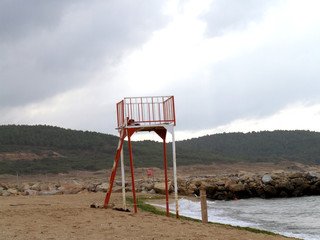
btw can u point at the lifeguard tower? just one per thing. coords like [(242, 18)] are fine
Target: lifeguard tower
[(137, 114)]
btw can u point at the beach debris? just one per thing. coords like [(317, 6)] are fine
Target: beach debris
[(96, 205), (121, 209)]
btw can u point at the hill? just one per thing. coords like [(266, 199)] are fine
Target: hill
[(265, 146), (39, 149)]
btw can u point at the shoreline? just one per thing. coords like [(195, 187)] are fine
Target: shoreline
[(252, 224), (159, 210)]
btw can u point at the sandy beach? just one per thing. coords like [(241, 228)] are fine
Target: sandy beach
[(70, 217)]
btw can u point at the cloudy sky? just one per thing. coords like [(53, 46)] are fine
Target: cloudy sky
[(233, 66)]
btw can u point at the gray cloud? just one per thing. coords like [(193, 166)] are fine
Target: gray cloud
[(229, 15), (255, 84), (19, 18), (48, 47)]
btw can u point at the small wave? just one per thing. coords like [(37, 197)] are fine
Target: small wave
[(276, 215)]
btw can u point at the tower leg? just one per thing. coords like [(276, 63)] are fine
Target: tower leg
[(132, 175), (175, 173), (123, 179), (114, 169), (163, 134), (166, 174)]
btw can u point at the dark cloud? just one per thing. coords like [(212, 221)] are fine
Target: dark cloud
[(48, 47), (19, 18), (230, 15)]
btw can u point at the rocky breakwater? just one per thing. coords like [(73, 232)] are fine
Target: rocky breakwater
[(77, 186), (33, 189), (224, 187), (248, 186)]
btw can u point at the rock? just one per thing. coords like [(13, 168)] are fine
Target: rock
[(5, 193), (198, 183), (139, 180), (267, 179), (298, 181), (252, 185), (4, 186), (23, 187), (117, 189), (210, 187), (26, 187), (315, 188), (246, 179), (76, 182), (220, 183), (119, 183), (50, 192), (191, 188), (239, 187), (182, 190), (285, 185), (221, 196), (160, 188), (317, 184), (44, 187), (91, 187), (297, 193), (270, 191), (148, 186), (68, 188), (296, 175), (103, 187), (247, 192), (152, 191), (314, 174), (283, 194), (31, 192), (36, 187), (52, 187), (186, 187), (12, 191)]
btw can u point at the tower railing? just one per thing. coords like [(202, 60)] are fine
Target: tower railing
[(146, 111)]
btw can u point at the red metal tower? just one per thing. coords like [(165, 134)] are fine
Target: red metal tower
[(136, 114)]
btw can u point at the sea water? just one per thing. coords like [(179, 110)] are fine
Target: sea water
[(292, 217)]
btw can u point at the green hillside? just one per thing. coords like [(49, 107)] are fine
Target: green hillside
[(265, 146), (39, 149)]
